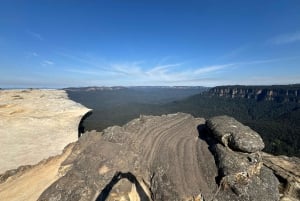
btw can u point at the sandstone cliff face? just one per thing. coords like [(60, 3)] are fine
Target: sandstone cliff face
[(269, 93), (36, 124)]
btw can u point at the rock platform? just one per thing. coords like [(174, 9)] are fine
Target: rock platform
[(36, 124)]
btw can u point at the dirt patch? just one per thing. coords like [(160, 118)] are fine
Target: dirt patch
[(31, 183)]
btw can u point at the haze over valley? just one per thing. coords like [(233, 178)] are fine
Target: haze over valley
[(195, 100), (273, 111)]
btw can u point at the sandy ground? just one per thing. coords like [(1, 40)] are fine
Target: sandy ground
[(30, 184)]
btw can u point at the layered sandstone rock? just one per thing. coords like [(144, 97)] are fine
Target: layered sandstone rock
[(169, 157), (241, 171), (150, 158), (287, 169), (235, 135), (285, 93), (36, 124)]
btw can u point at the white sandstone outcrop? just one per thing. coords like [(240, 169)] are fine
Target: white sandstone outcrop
[(36, 124)]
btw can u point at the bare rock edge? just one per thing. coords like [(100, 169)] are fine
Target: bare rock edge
[(36, 119), (169, 157)]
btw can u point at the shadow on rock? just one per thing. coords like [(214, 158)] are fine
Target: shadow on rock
[(205, 135), (116, 178), (81, 128)]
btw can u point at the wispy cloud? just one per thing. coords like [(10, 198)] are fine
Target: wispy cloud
[(286, 38), (76, 58), (210, 69), (161, 70), (138, 73), (35, 35), (160, 73), (87, 63), (47, 63), (125, 69), (34, 54), (84, 71), (31, 54), (234, 52), (165, 67)]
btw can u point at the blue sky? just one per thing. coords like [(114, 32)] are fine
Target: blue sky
[(107, 43)]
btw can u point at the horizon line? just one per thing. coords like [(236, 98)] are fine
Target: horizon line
[(153, 86)]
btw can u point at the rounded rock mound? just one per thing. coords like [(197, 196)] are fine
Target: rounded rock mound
[(235, 135)]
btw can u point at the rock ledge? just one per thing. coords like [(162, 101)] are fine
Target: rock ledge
[(36, 124)]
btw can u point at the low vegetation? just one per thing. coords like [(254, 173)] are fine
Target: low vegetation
[(277, 122)]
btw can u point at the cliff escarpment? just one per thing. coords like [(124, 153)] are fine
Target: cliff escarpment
[(168, 157), (36, 124), (286, 93)]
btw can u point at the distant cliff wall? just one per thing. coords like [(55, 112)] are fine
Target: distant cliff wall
[(36, 124), (287, 93)]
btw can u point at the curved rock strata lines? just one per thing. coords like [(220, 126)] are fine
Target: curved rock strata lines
[(172, 157), (161, 152)]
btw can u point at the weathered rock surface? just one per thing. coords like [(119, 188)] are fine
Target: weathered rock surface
[(287, 169), (169, 157), (36, 124), (241, 171), (159, 156), (237, 136), (245, 175)]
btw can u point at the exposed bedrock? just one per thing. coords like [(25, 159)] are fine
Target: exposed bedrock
[(240, 166), (237, 136), (36, 124), (287, 169), (170, 157), (163, 154)]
